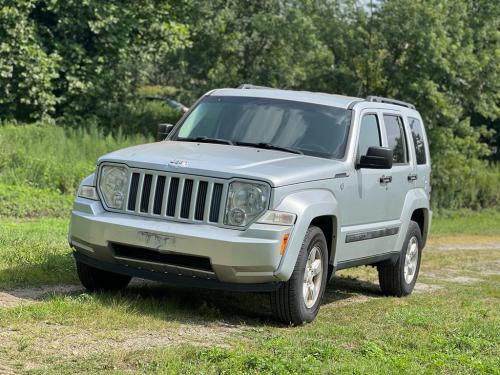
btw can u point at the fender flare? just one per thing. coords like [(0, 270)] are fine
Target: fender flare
[(415, 199), (307, 205)]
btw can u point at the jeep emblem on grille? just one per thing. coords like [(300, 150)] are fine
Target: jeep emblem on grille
[(178, 163)]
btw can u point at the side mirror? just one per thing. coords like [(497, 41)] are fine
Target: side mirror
[(376, 158), (163, 131)]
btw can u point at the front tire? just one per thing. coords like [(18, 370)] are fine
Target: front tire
[(94, 279), (400, 278), (298, 300)]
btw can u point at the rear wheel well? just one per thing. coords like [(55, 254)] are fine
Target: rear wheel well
[(420, 216), (328, 224)]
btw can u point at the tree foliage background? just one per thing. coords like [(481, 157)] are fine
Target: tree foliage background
[(83, 62)]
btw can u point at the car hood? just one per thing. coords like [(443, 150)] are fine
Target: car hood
[(225, 161)]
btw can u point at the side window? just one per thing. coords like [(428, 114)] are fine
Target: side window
[(396, 138), (417, 133), (369, 134)]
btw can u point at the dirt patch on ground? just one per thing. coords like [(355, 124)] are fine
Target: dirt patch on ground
[(461, 242), (426, 288), (6, 371), (18, 296), (54, 342), (457, 279)]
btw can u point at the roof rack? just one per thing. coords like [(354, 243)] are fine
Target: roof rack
[(250, 86), (381, 99)]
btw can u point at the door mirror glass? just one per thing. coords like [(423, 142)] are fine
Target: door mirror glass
[(163, 131), (376, 158)]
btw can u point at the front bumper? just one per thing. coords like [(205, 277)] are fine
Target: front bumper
[(251, 256)]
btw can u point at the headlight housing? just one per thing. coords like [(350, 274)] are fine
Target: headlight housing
[(113, 183), (245, 202)]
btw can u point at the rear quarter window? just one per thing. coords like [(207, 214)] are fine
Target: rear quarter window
[(417, 133)]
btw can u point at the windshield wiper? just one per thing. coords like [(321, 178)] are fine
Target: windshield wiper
[(268, 146), (206, 140)]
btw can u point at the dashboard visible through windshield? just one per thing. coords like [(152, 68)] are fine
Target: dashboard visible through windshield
[(286, 125)]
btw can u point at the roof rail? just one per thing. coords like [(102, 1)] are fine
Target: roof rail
[(381, 99), (250, 86)]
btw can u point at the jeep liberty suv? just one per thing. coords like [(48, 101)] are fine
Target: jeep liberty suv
[(262, 190)]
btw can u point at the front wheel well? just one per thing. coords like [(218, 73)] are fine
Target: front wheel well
[(328, 224)]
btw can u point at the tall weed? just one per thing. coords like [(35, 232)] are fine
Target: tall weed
[(47, 156)]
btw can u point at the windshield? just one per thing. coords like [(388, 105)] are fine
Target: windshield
[(311, 129)]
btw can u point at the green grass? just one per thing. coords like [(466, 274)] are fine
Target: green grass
[(452, 330), (50, 157), (35, 252), (157, 329), (486, 222), (28, 202)]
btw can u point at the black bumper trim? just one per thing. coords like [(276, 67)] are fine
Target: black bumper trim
[(176, 280)]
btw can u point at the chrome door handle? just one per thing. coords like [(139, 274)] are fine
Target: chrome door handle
[(412, 177), (385, 179)]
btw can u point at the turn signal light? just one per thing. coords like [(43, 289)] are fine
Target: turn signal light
[(283, 244)]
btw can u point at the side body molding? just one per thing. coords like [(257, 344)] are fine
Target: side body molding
[(306, 204)]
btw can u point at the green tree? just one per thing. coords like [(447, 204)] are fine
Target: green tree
[(273, 42), (27, 71), (78, 58)]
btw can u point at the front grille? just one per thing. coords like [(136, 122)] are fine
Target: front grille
[(148, 255), (175, 196)]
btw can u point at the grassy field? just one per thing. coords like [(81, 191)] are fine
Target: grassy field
[(48, 324)]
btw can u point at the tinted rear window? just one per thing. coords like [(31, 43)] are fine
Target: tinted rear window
[(417, 134), (396, 138)]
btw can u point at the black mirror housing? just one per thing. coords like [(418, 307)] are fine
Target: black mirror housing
[(163, 131), (376, 158)]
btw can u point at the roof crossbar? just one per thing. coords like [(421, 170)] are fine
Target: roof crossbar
[(381, 99), (250, 86)]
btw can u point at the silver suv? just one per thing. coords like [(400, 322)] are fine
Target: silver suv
[(259, 189)]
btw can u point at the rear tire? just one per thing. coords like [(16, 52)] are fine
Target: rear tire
[(94, 279), (400, 278), (308, 279)]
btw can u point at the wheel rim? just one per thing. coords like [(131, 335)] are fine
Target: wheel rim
[(312, 277), (411, 260)]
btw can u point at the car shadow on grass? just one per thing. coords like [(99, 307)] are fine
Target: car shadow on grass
[(189, 305), (184, 305)]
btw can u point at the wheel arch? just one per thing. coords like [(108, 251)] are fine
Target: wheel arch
[(313, 207), (422, 216), (416, 208), (328, 224)]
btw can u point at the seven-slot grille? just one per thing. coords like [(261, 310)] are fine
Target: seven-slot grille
[(175, 196)]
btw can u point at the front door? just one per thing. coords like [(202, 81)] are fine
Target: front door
[(365, 201)]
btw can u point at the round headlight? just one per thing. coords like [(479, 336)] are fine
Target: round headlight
[(245, 202), (113, 185)]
